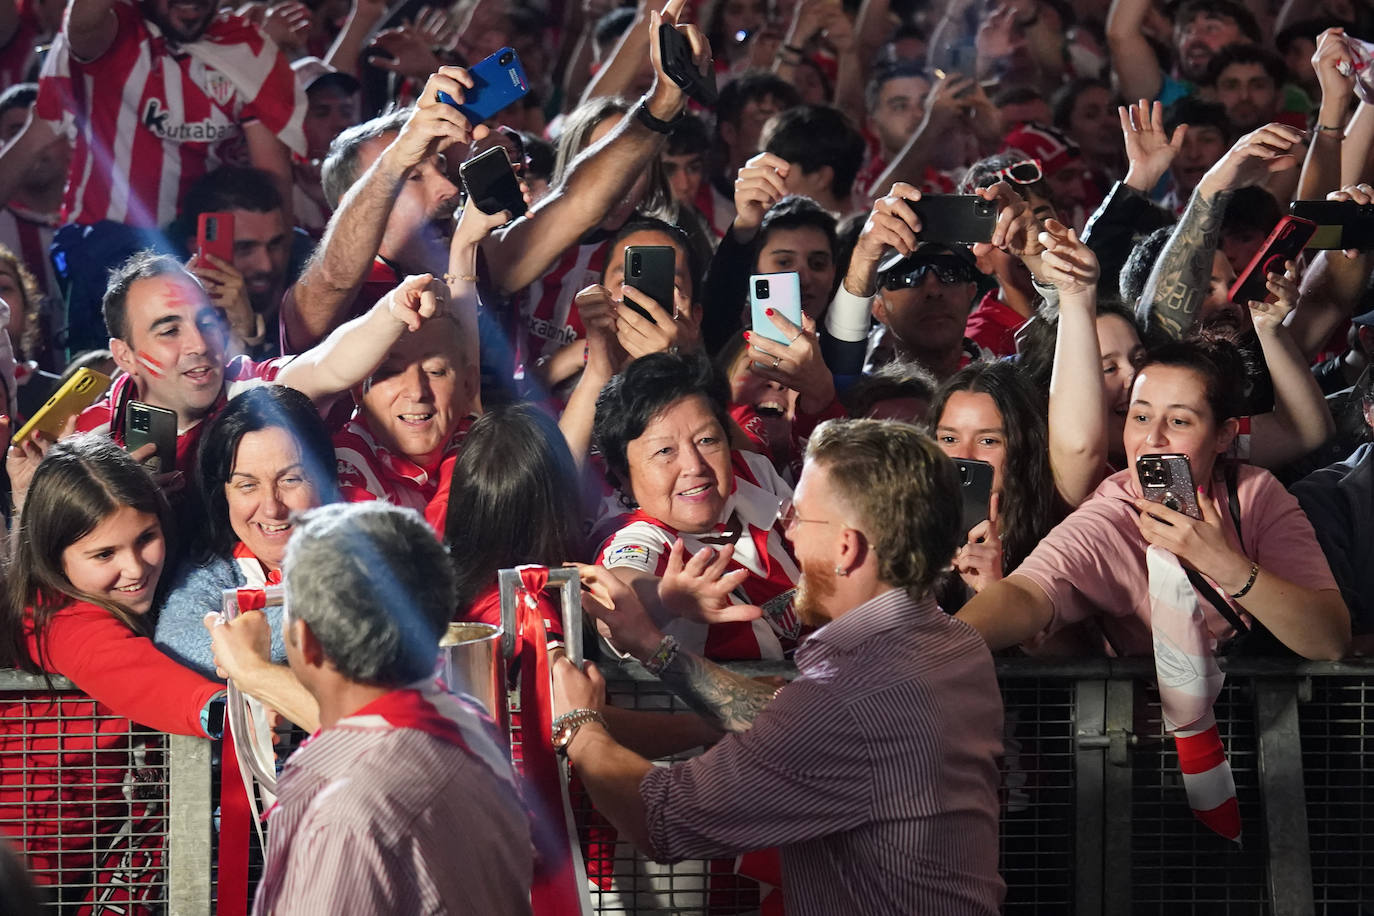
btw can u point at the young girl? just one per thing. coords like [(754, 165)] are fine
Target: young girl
[(89, 554)]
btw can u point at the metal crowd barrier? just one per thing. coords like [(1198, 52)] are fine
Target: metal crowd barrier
[(1094, 818)]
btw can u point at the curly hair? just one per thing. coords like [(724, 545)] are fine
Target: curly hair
[(31, 342)]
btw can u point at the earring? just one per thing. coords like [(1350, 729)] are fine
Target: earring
[(841, 571)]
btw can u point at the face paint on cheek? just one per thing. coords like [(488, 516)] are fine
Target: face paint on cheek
[(155, 368)]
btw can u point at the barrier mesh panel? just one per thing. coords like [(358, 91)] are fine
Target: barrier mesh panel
[(83, 799), (1177, 865), (1338, 766)]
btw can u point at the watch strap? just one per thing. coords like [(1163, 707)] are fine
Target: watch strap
[(657, 125), (565, 726)]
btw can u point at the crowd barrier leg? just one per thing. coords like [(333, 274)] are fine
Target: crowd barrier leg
[(189, 827), (1285, 800)]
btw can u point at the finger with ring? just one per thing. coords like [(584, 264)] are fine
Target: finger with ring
[(777, 361)]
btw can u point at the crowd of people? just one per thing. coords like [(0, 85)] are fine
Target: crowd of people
[(378, 395)]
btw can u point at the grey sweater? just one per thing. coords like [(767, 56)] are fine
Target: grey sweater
[(196, 591)]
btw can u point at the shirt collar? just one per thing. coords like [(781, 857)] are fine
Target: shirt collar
[(892, 610)]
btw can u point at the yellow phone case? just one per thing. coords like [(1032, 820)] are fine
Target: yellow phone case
[(79, 392)]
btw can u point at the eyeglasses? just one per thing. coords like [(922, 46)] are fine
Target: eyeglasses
[(947, 270), (1027, 171), (787, 514)]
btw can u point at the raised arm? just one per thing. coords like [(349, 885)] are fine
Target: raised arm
[(1300, 421), (1078, 403), (944, 106), (91, 27), (347, 49), (1321, 169), (1009, 612), (351, 353), (266, 151), (599, 178), (1178, 284), (322, 296), (617, 73), (1137, 71)]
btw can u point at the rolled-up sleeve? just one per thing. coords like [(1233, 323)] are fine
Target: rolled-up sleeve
[(802, 771)]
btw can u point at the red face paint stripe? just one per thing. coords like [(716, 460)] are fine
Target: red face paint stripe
[(155, 368)]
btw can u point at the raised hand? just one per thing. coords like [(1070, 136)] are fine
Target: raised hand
[(1270, 148), (641, 336), (666, 99), (698, 587), (761, 183), (1017, 230), (224, 285), (434, 125), (1150, 150), (979, 562), (1268, 316), (1066, 263), (416, 300), (288, 25), (797, 364)]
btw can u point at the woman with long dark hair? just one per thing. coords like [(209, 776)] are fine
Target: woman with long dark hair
[(989, 412), (90, 549)]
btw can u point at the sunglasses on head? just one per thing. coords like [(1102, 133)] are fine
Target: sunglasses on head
[(947, 270), (1027, 171)]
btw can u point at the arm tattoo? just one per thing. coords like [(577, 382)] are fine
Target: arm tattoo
[(1178, 284), (727, 700)]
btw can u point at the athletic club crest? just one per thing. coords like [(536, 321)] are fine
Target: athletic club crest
[(219, 87)]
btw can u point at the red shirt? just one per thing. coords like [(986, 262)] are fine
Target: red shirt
[(64, 759), (549, 319), (368, 470), (993, 325), (151, 117)]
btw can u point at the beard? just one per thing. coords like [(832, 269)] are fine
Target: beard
[(816, 585)]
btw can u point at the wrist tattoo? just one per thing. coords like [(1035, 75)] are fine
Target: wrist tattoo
[(1178, 284), (727, 700)]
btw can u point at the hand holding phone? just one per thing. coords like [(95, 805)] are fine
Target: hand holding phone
[(652, 269), (1285, 243), (780, 292), (975, 478), (215, 236), (76, 394), (498, 81), (1341, 224), (957, 219), (1168, 480), (675, 51), (144, 423), (491, 185)]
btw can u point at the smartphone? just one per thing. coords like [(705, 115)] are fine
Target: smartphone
[(782, 294), (76, 394), (1168, 480), (215, 235), (1341, 224), (976, 479), (144, 423), (1285, 243), (961, 219), (498, 81), (963, 61), (676, 53), (491, 184), (652, 269)]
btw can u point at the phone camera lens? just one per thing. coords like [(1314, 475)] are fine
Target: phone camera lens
[(963, 474), (635, 267), (506, 58), (761, 289)]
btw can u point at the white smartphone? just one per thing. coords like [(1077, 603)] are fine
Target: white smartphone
[(782, 294)]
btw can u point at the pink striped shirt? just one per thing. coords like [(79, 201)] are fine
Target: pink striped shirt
[(387, 813), (875, 770)]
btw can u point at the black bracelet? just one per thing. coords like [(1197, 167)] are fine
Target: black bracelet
[(657, 125), (1250, 583)]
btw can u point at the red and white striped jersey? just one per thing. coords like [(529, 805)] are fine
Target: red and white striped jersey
[(368, 470), (549, 320), (28, 235), (150, 117)]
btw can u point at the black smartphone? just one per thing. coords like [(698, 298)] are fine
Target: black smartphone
[(1284, 244), (144, 423), (676, 53), (1341, 224), (1168, 480), (652, 269), (975, 478), (491, 184), (958, 219), (498, 81)]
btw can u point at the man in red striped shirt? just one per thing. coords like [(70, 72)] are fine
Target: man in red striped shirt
[(876, 769)]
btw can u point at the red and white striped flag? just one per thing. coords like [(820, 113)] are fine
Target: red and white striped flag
[(1189, 683)]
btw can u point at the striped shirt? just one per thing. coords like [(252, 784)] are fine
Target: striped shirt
[(28, 235), (407, 806), (875, 771), (150, 117)]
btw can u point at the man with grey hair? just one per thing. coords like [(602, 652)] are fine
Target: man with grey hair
[(368, 811), (394, 199)]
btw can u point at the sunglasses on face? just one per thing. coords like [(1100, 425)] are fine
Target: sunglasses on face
[(947, 270), (1027, 171)]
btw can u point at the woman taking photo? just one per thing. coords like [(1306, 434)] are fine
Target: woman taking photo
[(265, 458), (702, 534), (1252, 542)]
